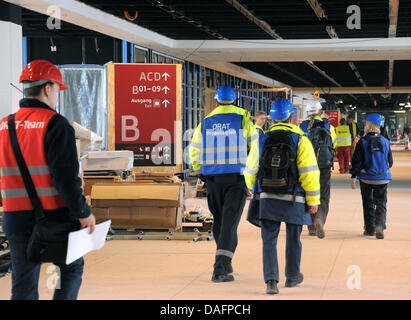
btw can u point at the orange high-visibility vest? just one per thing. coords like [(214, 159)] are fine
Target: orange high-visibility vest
[(31, 126)]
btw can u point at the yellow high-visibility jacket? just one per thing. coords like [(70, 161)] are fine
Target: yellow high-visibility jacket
[(309, 173), (259, 129), (343, 136), (248, 130)]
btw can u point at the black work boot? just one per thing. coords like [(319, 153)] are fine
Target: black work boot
[(311, 231), (293, 282), (222, 268), (369, 231), (222, 277), (272, 287), (379, 232), (230, 268), (319, 228)]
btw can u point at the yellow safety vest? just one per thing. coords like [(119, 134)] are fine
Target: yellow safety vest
[(343, 136)]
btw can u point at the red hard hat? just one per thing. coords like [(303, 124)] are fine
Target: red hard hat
[(38, 70)]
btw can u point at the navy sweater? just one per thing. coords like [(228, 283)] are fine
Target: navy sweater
[(62, 159)]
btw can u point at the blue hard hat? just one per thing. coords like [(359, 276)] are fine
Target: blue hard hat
[(281, 109), (225, 94), (376, 119)]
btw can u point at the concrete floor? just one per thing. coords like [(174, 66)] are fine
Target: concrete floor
[(182, 269)]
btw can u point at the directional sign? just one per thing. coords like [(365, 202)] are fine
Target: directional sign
[(145, 99), (165, 89), (166, 103)]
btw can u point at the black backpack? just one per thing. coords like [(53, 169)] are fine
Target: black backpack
[(278, 171), (322, 142)]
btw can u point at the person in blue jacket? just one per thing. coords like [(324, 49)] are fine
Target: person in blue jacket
[(371, 164)]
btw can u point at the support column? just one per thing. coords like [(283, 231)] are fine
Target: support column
[(11, 58)]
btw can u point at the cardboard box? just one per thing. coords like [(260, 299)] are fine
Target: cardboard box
[(90, 181), (139, 206)]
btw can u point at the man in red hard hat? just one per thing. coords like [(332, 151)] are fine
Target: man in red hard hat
[(48, 146)]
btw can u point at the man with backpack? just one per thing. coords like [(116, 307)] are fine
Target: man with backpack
[(323, 137), (288, 187), (224, 153), (371, 164)]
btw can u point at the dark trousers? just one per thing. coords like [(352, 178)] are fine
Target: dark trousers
[(343, 154), (25, 274), (226, 202), (293, 249), (374, 203), (325, 182)]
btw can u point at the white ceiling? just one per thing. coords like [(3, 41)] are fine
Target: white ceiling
[(218, 53)]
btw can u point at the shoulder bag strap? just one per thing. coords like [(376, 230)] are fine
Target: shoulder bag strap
[(24, 171)]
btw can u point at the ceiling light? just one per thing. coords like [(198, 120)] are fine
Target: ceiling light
[(399, 111), (402, 104)]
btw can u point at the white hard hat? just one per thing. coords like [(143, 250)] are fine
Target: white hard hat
[(313, 107)]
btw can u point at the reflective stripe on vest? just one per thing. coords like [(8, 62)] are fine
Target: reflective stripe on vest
[(342, 142), (15, 171), (20, 193), (31, 127), (284, 197), (225, 149)]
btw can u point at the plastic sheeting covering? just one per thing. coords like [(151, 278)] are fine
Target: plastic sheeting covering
[(85, 102)]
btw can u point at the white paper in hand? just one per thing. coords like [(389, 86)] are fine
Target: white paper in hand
[(81, 242)]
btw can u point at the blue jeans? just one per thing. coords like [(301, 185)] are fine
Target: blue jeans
[(269, 233), (25, 274)]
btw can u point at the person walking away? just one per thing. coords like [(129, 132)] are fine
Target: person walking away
[(343, 146), (371, 165), (48, 147), (288, 187), (323, 137), (224, 152)]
